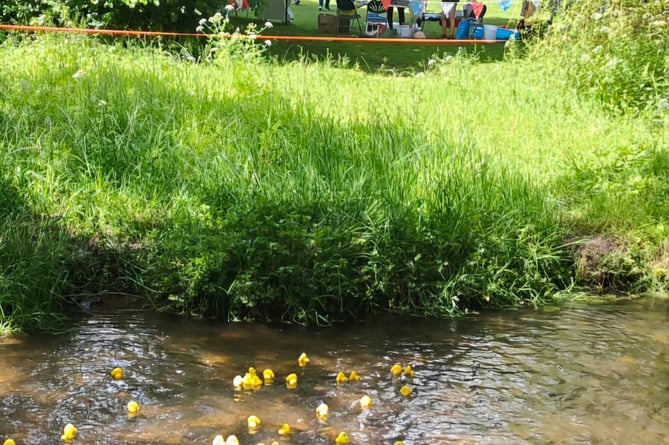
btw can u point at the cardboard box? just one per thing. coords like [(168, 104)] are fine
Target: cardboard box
[(327, 23)]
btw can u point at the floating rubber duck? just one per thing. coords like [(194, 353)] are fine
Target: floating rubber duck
[(365, 402), (218, 440), (341, 439), (251, 380), (237, 381), (268, 376), (69, 433), (408, 371), (341, 377), (291, 381), (9, 442), (322, 411), (133, 408), (253, 422), (284, 430), (399, 442), (116, 373), (405, 391), (302, 360), (396, 369), (232, 440), (354, 377)]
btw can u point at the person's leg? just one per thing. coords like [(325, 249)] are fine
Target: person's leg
[(452, 19), (327, 4), (389, 16), (320, 4), (400, 15), (443, 25)]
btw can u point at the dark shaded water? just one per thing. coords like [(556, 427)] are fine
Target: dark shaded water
[(580, 375)]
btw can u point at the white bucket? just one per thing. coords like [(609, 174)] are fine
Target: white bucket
[(404, 31), (489, 32)]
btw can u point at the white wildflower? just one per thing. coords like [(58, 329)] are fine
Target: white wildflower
[(268, 42), (78, 74), (197, 11), (269, 25), (613, 62), (199, 29), (229, 8), (431, 62), (252, 36), (664, 104), (202, 22), (102, 103)]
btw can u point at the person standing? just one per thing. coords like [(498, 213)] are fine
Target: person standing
[(400, 12), (448, 14), (327, 4)]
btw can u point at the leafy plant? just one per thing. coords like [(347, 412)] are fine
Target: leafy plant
[(613, 51)]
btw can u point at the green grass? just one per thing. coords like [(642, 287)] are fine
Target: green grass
[(241, 188), (385, 56)]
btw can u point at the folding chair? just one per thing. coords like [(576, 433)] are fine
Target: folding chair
[(472, 18), (526, 11), (376, 21), (347, 12)]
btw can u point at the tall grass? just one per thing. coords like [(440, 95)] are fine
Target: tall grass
[(306, 192)]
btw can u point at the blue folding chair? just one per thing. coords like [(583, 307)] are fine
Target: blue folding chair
[(375, 18)]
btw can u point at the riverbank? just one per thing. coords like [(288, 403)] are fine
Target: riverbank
[(312, 193)]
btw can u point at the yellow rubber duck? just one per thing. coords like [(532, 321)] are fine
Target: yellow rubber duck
[(354, 377), (405, 391), (365, 402), (291, 381), (302, 360), (399, 442), (341, 377), (133, 408), (69, 433), (341, 439), (268, 376), (116, 373), (232, 440), (396, 369), (408, 371), (251, 380), (322, 411), (253, 422), (9, 442), (284, 430), (218, 440)]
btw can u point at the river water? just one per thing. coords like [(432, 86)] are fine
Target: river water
[(577, 375)]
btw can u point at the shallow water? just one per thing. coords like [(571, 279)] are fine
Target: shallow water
[(580, 375)]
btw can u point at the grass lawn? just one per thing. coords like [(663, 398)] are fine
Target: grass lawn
[(371, 56)]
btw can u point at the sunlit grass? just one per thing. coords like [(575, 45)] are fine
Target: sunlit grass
[(308, 192)]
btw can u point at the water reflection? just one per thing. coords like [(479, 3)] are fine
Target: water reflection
[(575, 376)]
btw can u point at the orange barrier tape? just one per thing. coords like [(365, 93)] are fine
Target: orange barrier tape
[(126, 33)]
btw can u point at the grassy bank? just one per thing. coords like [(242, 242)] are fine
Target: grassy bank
[(311, 192)]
